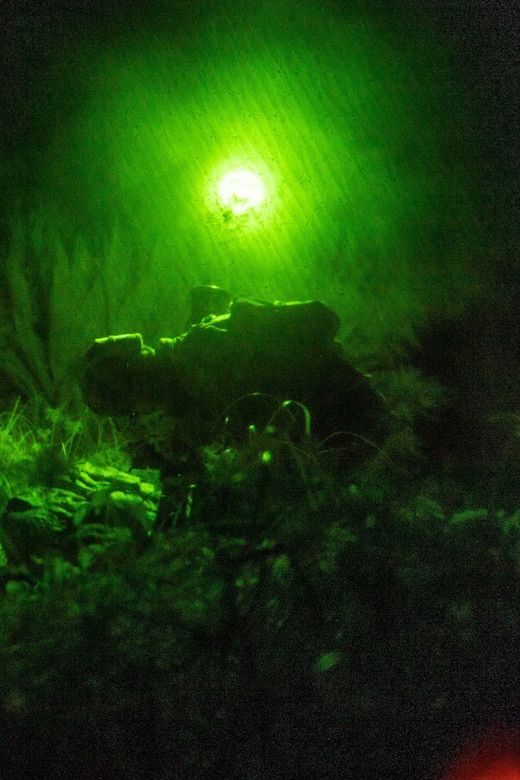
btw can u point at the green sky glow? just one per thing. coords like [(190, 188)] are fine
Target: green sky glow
[(354, 135)]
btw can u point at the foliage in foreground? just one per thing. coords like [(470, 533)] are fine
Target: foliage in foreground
[(276, 609)]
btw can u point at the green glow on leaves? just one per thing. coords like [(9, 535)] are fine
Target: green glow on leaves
[(240, 191), (327, 661)]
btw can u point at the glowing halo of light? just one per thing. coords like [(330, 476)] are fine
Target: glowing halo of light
[(240, 190)]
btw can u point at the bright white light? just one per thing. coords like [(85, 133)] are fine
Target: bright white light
[(240, 190)]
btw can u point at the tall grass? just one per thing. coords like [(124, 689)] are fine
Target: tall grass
[(39, 444), (59, 293)]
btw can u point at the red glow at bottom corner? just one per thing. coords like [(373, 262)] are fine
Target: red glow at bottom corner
[(494, 757)]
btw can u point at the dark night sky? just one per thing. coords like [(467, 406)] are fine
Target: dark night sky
[(47, 47), (38, 36)]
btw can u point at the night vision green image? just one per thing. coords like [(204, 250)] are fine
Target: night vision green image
[(259, 390)]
